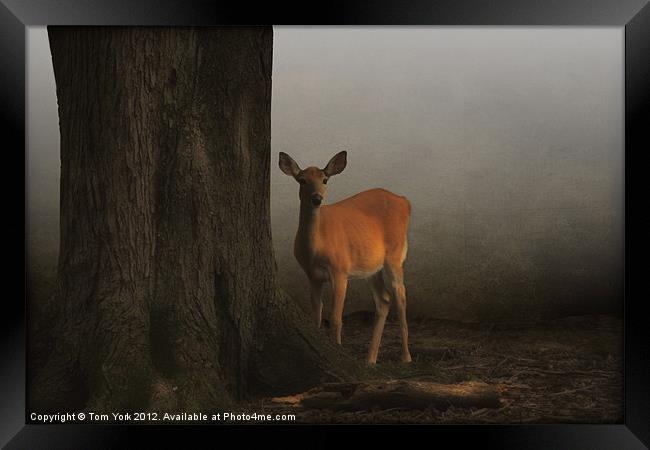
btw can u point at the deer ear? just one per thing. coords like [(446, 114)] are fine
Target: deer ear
[(288, 165), (336, 164)]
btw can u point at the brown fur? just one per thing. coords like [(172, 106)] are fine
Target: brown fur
[(363, 236)]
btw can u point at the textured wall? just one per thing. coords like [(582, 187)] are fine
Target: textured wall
[(508, 141)]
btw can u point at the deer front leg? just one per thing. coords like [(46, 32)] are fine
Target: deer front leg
[(317, 301), (339, 287)]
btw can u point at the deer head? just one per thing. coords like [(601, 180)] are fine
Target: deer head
[(313, 180)]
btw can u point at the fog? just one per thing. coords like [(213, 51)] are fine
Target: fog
[(507, 141)]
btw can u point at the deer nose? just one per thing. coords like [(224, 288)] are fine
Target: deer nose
[(316, 199)]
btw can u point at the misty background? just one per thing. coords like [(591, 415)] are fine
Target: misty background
[(507, 141)]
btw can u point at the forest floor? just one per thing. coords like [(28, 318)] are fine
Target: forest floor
[(566, 370)]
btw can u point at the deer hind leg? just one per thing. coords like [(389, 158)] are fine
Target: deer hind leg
[(382, 305), (339, 286), (395, 278)]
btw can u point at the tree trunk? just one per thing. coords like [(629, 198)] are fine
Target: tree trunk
[(166, 291)]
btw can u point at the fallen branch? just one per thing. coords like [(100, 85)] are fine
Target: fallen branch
[(395, 394)]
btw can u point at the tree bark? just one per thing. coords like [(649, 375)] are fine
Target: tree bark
[(166, 293)]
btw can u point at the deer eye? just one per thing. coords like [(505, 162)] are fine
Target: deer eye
[(325, 180), (302, 180)]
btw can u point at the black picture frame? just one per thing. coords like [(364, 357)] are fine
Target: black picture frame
[(632, 15)]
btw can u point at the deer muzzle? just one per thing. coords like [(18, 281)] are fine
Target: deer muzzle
[(316, 199)]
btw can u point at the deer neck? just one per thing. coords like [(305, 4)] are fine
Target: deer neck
[(308, 228)]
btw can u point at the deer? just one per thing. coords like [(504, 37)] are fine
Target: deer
[(363, 236)]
